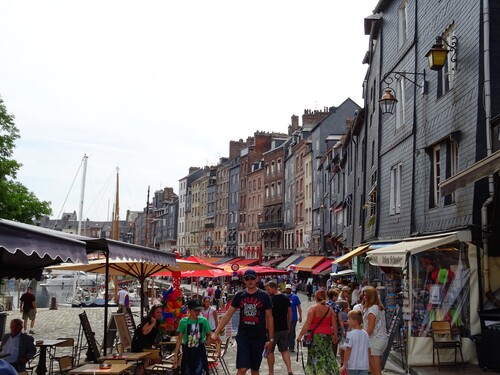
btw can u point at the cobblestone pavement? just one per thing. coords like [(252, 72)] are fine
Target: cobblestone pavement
[(64, 322)]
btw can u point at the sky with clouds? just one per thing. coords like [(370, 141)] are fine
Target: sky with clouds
[(154, 87)]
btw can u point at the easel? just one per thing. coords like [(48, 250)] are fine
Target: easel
[(121, 326), (92, 348)]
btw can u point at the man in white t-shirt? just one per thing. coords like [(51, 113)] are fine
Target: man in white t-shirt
[(123, 300)]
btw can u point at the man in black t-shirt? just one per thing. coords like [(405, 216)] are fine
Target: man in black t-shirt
[(217, 296), (28, 309), (255, 319), (282, 317)]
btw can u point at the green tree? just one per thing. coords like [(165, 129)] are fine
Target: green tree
[(16, 201)]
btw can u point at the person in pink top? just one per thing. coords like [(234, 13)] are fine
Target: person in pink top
[(321, 320)]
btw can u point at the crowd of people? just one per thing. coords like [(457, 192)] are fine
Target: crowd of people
[(345, 322)]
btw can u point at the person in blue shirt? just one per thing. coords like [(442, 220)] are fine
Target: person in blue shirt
[(296, 316), (17, 347)]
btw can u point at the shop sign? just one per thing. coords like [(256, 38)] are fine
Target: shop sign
[(388, 260)]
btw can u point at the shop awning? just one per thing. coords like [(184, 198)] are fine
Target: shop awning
[(292, 258), (246, 262), (327, 264), (308, 263), (212, 260), (360, 250), (395, 255), (26, 249), (483, 168), (224, 260), (343, 273), (274, 261)]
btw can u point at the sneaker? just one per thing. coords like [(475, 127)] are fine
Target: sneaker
[(32, 332)]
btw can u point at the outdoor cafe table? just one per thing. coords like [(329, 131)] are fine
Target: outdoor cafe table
[(115, 369), (129, 357), (41, 369)]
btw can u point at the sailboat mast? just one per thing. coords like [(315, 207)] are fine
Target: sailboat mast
[(82, 194), (116, 216)]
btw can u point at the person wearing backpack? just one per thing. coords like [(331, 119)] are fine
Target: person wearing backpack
[(193, 333), (145, 334)]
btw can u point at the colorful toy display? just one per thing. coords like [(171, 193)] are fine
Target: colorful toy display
[(173, 310)]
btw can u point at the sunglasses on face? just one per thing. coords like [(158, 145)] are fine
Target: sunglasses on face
[(249, 278)]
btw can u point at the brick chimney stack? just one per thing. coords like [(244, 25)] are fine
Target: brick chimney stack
[(311, 117), (235, 147), (295, 125)]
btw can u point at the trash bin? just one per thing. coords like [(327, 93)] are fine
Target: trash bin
[(3, 321), (478, 340)]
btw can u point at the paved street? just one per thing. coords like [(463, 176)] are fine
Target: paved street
[(64, 322)]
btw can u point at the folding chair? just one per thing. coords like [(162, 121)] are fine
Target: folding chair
[(68, 343), (444, 338)]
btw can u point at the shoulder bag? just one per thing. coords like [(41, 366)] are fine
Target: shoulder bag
[(307, 340)]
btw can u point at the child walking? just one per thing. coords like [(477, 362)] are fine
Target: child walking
[(343, 327), (357, 346), (193, 332)]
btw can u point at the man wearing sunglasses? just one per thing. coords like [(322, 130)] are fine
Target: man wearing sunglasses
[(256, 318)]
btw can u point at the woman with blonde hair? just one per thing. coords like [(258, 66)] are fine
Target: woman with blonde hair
[(321, 321), (374, 325)]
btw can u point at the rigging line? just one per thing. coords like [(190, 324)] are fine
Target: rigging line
[(67, 195), (100, 195)]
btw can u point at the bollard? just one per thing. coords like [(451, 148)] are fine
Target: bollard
[(53, 303)]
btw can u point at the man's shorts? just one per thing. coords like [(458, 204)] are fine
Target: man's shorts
[(280, 341), (30, 314), (249, 351)]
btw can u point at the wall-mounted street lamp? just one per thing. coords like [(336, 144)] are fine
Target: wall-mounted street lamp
[(436, 57), (388, 101)]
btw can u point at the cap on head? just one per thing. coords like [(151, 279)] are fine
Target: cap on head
[(250, 273), (288, 286), (195, 305)]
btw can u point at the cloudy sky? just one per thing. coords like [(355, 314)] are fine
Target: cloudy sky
[(154, 87)]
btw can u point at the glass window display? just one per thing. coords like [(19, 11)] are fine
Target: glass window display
[(441, 289)]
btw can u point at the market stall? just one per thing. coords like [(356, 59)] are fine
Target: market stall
[(439, 281)]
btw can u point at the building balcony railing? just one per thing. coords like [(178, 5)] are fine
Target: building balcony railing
[(271, 224)]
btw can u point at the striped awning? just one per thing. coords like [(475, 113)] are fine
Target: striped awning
[(308, 263), (326, 265), (274, 261), (290, 260)]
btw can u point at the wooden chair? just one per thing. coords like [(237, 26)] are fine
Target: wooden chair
[(444, 338), (30, 365), (69, 342), (65, 363), (214, 360), (165, 367), (224, 348)]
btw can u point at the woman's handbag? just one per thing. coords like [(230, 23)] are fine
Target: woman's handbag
[(307, 340)]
